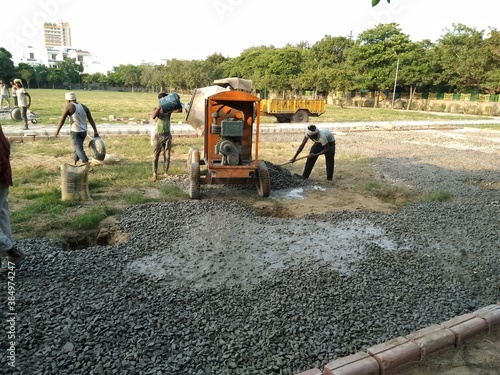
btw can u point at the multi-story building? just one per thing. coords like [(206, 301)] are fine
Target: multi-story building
[(57, 34), (57, 47)]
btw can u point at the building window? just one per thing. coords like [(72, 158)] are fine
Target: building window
[(32, 56)]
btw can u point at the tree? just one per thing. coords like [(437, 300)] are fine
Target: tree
[(375, 55), (40, 74), (375, 2), (68, 71), (284, 69), (7, 70), (325, 65), (214, 64), (415, 67), (490, 54), (128, 75), (457, 55), (26, 72)]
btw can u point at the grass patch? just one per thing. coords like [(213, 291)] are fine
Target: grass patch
[(92, 218), (389, 193), (438, 196)]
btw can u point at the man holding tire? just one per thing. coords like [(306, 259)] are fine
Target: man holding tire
[(23, 101), (78, 114)]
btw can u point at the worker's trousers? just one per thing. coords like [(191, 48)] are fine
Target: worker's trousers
[(5, 230), (329, 158), (162, 144)]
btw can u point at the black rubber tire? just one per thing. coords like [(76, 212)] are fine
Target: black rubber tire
[(194, 181), (301, 116), (15, 114), (264, 184), (98, 148)]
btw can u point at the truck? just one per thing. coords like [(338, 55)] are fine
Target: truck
[(292, 110), (285, 110)]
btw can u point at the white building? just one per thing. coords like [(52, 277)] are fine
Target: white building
[(57, 47)]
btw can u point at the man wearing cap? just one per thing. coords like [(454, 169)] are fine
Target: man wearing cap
[(23, 101), (323, 144), (78, 114)]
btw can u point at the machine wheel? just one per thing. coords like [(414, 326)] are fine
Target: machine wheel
[(193, 157), (194, 180), (264, 184), (301, 116)]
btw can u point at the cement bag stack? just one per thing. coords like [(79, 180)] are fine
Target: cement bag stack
[(75, 182)]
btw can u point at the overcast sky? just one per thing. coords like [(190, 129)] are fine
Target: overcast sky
[(129, 32)]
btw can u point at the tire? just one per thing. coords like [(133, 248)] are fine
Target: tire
[(193, 156), (194, 181), (264, 183), (301, 116), (15, 114), (98, 148)]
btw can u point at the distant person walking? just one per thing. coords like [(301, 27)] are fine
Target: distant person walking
[(4, 94), (324, 144), (78, 114), (23, 100), (162, 141), (14, 256), (14, 90)]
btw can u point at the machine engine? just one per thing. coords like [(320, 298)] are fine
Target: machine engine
[(229, 146)]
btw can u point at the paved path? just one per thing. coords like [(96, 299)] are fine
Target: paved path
[(184, 129)]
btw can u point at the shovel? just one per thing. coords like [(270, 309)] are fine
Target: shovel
[(288, 162)]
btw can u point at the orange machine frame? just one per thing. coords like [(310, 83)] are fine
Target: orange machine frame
[(236, 105)]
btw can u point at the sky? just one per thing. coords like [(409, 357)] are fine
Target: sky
[(132, 32)]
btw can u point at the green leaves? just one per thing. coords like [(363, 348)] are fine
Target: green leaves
[(375, 2)]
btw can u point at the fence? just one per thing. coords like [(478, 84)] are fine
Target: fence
[(473, 97)]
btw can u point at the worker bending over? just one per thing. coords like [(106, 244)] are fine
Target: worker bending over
[(323, 144)]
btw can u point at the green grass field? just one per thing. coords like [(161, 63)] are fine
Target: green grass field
[(49, 104)]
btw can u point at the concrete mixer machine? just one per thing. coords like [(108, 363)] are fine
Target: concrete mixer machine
[(227, 116)]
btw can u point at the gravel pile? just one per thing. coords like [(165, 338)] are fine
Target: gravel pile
[(208, 287)]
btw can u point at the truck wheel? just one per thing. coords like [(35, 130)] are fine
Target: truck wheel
[(194, 181), (301, 116), (264, 183)]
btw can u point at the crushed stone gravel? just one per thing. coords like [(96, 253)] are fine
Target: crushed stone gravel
[(209, 287)]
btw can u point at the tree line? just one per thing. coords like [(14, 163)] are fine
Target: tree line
[(463, 59)]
